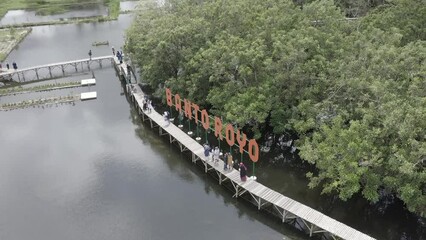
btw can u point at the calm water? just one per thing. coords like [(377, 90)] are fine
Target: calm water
[(92, 171), (24, 16)]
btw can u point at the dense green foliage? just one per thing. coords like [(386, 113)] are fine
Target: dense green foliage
[(353, 91)]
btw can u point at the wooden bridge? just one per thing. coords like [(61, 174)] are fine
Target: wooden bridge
[(311, 220), (49, 71)]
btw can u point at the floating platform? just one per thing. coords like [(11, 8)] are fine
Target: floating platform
[(87, 82), (88, 95)]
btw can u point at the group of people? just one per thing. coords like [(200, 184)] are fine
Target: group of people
[(147, 105), (14, 66), (227, 160), (118, 54)]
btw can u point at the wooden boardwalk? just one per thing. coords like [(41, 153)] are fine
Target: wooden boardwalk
[(52, 70), (314, 221)]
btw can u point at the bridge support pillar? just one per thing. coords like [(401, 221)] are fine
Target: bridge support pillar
[(50, 72)]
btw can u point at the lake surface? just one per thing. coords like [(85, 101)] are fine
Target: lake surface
[(93, 171)]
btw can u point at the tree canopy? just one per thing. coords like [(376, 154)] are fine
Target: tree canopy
[(354, 91)]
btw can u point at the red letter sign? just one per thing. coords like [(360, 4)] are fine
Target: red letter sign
[(253, 156), (205, 119), (169, 97), (217, 127), (230, 135), (188, 110), (241, 142), (178, 103)]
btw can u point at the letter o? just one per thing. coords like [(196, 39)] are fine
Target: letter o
[(253, 156)]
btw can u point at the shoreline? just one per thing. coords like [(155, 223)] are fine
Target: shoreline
[(11, 40)]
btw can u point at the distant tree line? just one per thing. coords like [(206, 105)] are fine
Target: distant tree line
[(354, 91)]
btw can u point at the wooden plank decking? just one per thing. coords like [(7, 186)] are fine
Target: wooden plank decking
[(10, 71), (314, 221), (75, 65)]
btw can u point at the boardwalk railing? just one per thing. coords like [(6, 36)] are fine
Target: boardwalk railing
[(314, 221), (54, 69)]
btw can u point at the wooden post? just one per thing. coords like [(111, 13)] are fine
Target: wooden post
[(63, 70), (50, 72), (36, 70), (75, 66)]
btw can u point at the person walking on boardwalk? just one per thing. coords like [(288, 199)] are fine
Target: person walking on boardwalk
[(166, 116), (206, 150), (90, 54), (216, 154), (144, 104), (225, 162), (15, 66), (243, 172), (230, 167), (150, 106), (7, 66)]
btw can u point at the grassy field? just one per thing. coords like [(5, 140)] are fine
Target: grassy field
[(9, 38), (46, 7)]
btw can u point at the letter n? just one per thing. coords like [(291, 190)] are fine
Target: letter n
[(178, 103)]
